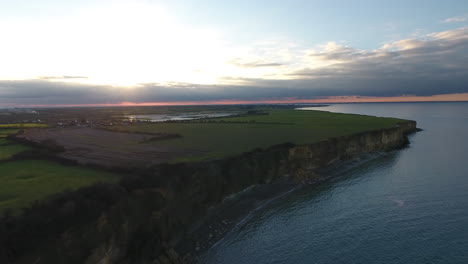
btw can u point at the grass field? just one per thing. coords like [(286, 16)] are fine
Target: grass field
[(23, 125), (8, 150), (24, 181), (234, 135), (5, 132)]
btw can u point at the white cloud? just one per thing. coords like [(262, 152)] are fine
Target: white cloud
[(456, 19)]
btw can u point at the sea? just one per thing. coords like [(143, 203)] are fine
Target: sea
[(405, 206)]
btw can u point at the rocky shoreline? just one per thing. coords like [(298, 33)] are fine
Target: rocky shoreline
[(234, 212), (229, 214)]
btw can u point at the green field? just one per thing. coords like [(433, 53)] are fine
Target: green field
[(8, 150), (24, 181), (23, 125), (5, 132), (226, 137)]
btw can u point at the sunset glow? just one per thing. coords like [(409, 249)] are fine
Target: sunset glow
[(338, 99), (165, 52)]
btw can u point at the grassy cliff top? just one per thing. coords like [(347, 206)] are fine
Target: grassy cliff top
[(25, 181), (221, 137)]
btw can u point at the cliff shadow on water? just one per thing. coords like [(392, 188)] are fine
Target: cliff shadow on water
[(163, 214)]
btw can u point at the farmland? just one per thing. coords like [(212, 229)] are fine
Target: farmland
[(9, 148), (145, 144), (22, 126), (108, 148), (221, 137), (25, 181)]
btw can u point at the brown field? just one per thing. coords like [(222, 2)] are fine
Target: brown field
[(107, 148)]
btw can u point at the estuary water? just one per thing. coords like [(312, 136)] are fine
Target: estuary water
[(407, 206), (175, 117)]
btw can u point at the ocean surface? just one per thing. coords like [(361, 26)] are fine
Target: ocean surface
[(407, 206)]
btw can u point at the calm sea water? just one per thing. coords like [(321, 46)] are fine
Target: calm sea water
[(410, 206)]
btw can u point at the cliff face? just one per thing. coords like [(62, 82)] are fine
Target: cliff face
[(305, 158), (162, 209)]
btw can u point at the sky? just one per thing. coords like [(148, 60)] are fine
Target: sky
[(206, 51)]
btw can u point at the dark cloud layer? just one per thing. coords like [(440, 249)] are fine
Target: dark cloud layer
[(436, 64)]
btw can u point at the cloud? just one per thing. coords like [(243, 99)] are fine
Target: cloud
[(456, 19), (63, 77), (254, 64), (333, 51), (437, 56), (428, 65)]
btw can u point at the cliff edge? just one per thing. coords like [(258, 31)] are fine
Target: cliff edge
[(152, 217)]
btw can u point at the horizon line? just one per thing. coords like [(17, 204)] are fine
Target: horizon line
[(458, 97)]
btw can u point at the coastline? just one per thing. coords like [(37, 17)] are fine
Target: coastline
[(234, 212), (228, 215), (254, 179), (178, 211)]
